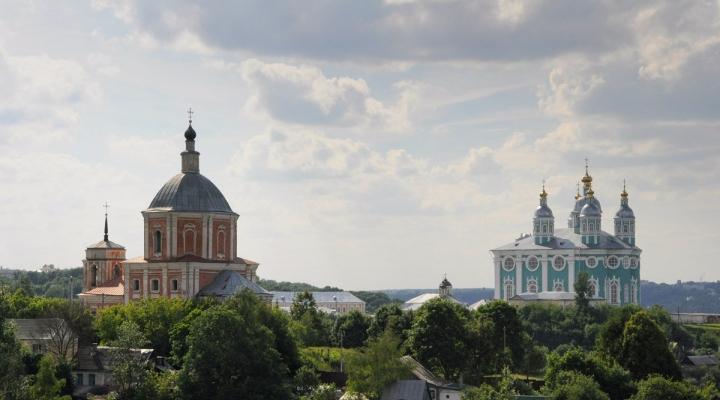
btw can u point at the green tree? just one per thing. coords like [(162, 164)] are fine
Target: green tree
[(351, 329), (321, 392), (582, 292), (645, 350), (232, 356), (439, 336), (507, 332), (309, 326), (47, 386), (658, 387), (575, 386), (376, 366), (612, 378), (11, 366), (306, 380), (303, 303), (129, 365), (610, 337)]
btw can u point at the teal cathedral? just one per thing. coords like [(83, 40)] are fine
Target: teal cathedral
[(543, 266)]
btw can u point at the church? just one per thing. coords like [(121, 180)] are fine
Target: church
[(190, 246), (543, 266)]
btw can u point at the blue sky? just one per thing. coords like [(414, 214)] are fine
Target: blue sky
[(375, 144)]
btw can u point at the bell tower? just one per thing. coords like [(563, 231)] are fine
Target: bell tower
[(103, 261)]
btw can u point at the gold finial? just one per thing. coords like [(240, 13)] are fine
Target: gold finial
[(544, 193), (587, 179), (590, 194), (624, 192), (577, 195)]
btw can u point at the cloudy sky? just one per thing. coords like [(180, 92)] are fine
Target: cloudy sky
[(365, 144)]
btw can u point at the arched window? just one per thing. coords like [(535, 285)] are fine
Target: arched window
[(544, 228), (614, 292), (532, 286), (558, 286), (508, 264), (116, 271), (509, 290), (189, 240), (592, 288), (592, 227), (157, 243), (94, 276), (584, 226), (221, 243)]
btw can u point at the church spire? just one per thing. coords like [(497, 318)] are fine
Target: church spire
[(190, 157), (105, 238)]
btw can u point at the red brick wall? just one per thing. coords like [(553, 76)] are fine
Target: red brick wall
[(207, 277)]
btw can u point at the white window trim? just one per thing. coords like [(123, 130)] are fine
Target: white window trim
[(608, 263), (158, 285), (563, 266), (595, 261), (504, 261), (529, 268)]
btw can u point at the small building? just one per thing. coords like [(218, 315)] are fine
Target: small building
[(444, 292), (423, 385), (329, 302), (94, 368), (701, 361), (46, 335)]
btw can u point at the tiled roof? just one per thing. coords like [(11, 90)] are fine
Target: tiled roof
[(320, 297), (114, 287), (567, 239), (34, 328)]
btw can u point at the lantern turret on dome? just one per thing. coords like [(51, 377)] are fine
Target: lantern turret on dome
[(625, 220), (543, 220)]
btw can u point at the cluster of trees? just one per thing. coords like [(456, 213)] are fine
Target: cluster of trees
[(49, 282), (244, 348)]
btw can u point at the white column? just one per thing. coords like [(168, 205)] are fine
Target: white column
[(544, 261), (571, 273), (496, 261), (518, 275)]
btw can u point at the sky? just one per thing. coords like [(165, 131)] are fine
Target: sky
[(364, 144)]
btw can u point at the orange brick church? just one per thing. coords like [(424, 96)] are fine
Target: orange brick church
[(190, 237)]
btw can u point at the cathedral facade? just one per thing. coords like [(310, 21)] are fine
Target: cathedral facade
[(543, 266), (190, 246)]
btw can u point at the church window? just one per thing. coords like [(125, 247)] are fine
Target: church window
[(584, 226), (221, 243), (558, 286), (544, 228), (116, 271), (136, 285), (613, 262), (591, 227), (532, 263), (155, 285), (509, 290), (558, 263), (189, 240), (94, 276), (633, 262), (592, 288), (614, 295), (532, 286), (632, 227), (157, 243), (508, 264), (591, 262), (625, 228), (174, 285), (626, 262)]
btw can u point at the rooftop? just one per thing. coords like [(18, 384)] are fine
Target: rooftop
[(567, 239)]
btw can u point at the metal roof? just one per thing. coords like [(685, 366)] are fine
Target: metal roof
[(228, 283), (105, 244), (567, 239), (320, 297), (190, 192), (406, 390)]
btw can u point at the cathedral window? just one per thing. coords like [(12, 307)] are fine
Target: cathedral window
[(136, 285), (592, 288), (558, 263), (509, 290), (613, 262), (625, 228), (532, 286), (155, 285), (189, 240), (591, 262), (94, 276), (633, 262), (508, 264), (584, 226), (558, 286), (157, 243), (591, 227), (221, 243), (532, 263), (614, 293)]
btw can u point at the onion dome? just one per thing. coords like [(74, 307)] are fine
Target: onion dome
[(190, 134), (625, 211), (543, 211), (445, 283), (590, 210)]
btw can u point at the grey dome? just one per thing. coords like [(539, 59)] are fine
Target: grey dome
[(190, 192), (590, 210), (543, 212), (625, 212), (581, 202)]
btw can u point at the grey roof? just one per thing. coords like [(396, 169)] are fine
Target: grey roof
[(320, 297), (227, 283), (98, 358), (625, 212), (543, 211), (581, 202), (190, 192), (406, 390), (34, 328), (567, 239), (703, 360), (105, 244)]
